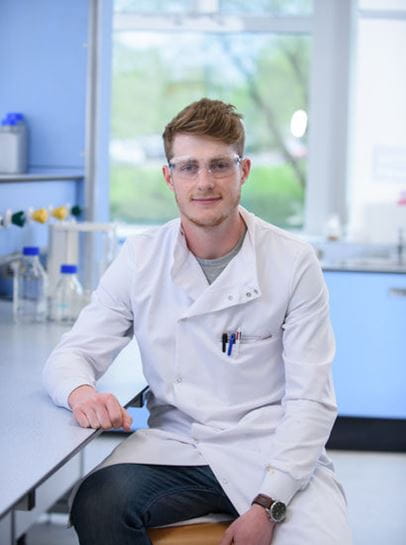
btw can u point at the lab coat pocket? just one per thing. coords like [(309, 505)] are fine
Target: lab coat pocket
[(255, 349), (237, 347), (245, 339), (254, 369)]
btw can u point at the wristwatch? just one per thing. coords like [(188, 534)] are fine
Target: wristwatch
[(276, 510)]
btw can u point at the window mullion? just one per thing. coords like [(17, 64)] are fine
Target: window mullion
[(211, 23), (329, 112)]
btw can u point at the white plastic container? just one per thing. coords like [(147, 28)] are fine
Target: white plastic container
[(92, 246), (67, 300), (30, 288), (13, 144)]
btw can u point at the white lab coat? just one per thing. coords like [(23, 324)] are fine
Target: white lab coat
[(260, 417)]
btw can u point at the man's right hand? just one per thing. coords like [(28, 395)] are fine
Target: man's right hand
[(94, 409)]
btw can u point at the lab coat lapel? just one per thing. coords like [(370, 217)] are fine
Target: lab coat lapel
[(237, 284), (186, 272)]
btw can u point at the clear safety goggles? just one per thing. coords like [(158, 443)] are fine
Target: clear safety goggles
[(188, 168)]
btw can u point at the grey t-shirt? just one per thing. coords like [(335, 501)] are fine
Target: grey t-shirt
[(212, 268)]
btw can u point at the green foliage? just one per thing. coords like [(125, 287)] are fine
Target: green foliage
[(152, 83), (139, 194), (273, 193)]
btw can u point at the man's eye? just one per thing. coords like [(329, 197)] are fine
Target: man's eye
[(220, 166), (188, 168)]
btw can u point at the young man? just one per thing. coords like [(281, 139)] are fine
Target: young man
[(231, 317)]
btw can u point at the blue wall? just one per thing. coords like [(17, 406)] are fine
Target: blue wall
[(43, 62)]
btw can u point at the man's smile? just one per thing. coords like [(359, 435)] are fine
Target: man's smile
[(206, 200)]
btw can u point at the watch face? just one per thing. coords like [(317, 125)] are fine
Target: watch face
[(278, 511)]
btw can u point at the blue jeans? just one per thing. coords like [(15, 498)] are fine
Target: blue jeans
[(116, 504)]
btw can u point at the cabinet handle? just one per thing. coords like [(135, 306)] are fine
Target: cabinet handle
[(397, 292)]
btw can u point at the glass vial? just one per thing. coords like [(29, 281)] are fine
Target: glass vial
[(68, 297), (30, 288)]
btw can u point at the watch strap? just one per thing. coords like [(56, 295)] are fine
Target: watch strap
[(275, 509), (263, 500)]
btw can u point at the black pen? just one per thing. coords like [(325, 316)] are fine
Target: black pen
[(224, 340)]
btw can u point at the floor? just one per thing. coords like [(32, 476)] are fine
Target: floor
[(375, 485)]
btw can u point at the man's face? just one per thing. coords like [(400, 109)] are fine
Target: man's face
[(206, 178)]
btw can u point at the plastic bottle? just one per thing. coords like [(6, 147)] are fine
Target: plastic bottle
[(30, 288), (68, 298), (13, 144), (333, 227)]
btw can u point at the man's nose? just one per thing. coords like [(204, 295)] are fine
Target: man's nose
[(204, 179)]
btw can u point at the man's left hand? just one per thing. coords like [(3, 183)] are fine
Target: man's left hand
[(252, 528)]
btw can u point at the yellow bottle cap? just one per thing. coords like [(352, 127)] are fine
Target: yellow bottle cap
[(40, 215), (60, 212)]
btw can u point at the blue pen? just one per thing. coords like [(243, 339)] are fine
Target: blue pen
[(230, 344)]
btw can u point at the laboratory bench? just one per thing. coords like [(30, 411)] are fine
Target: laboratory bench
[(43, 450)]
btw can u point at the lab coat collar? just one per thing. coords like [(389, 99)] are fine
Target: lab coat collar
[(186, 271), (236, 285)]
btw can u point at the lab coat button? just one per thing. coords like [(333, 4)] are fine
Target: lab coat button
[(256, 291), (179, 380), (248, 294), (230, 297)]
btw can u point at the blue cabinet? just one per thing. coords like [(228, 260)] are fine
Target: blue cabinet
[(368, 313)]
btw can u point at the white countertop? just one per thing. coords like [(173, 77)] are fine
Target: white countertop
[(348, 256), (36, 436), (383, 266)]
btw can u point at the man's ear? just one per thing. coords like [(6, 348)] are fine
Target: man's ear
[(167, 177), (245, 168)]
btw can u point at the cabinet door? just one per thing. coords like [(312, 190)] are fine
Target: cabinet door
[(368, 313)]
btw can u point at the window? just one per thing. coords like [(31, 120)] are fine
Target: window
[(168, 53), (377, 190)]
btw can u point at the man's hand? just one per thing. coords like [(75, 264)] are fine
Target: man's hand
[(251, 528), (93, 409)]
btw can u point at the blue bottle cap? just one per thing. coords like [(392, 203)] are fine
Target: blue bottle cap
[(30, 250), (69, 269), (13, 118), (8, 121), (17, 116)]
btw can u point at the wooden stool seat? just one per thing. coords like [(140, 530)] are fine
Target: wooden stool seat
[(208, 533)]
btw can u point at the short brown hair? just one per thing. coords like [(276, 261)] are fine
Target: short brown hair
[(207, 117)]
